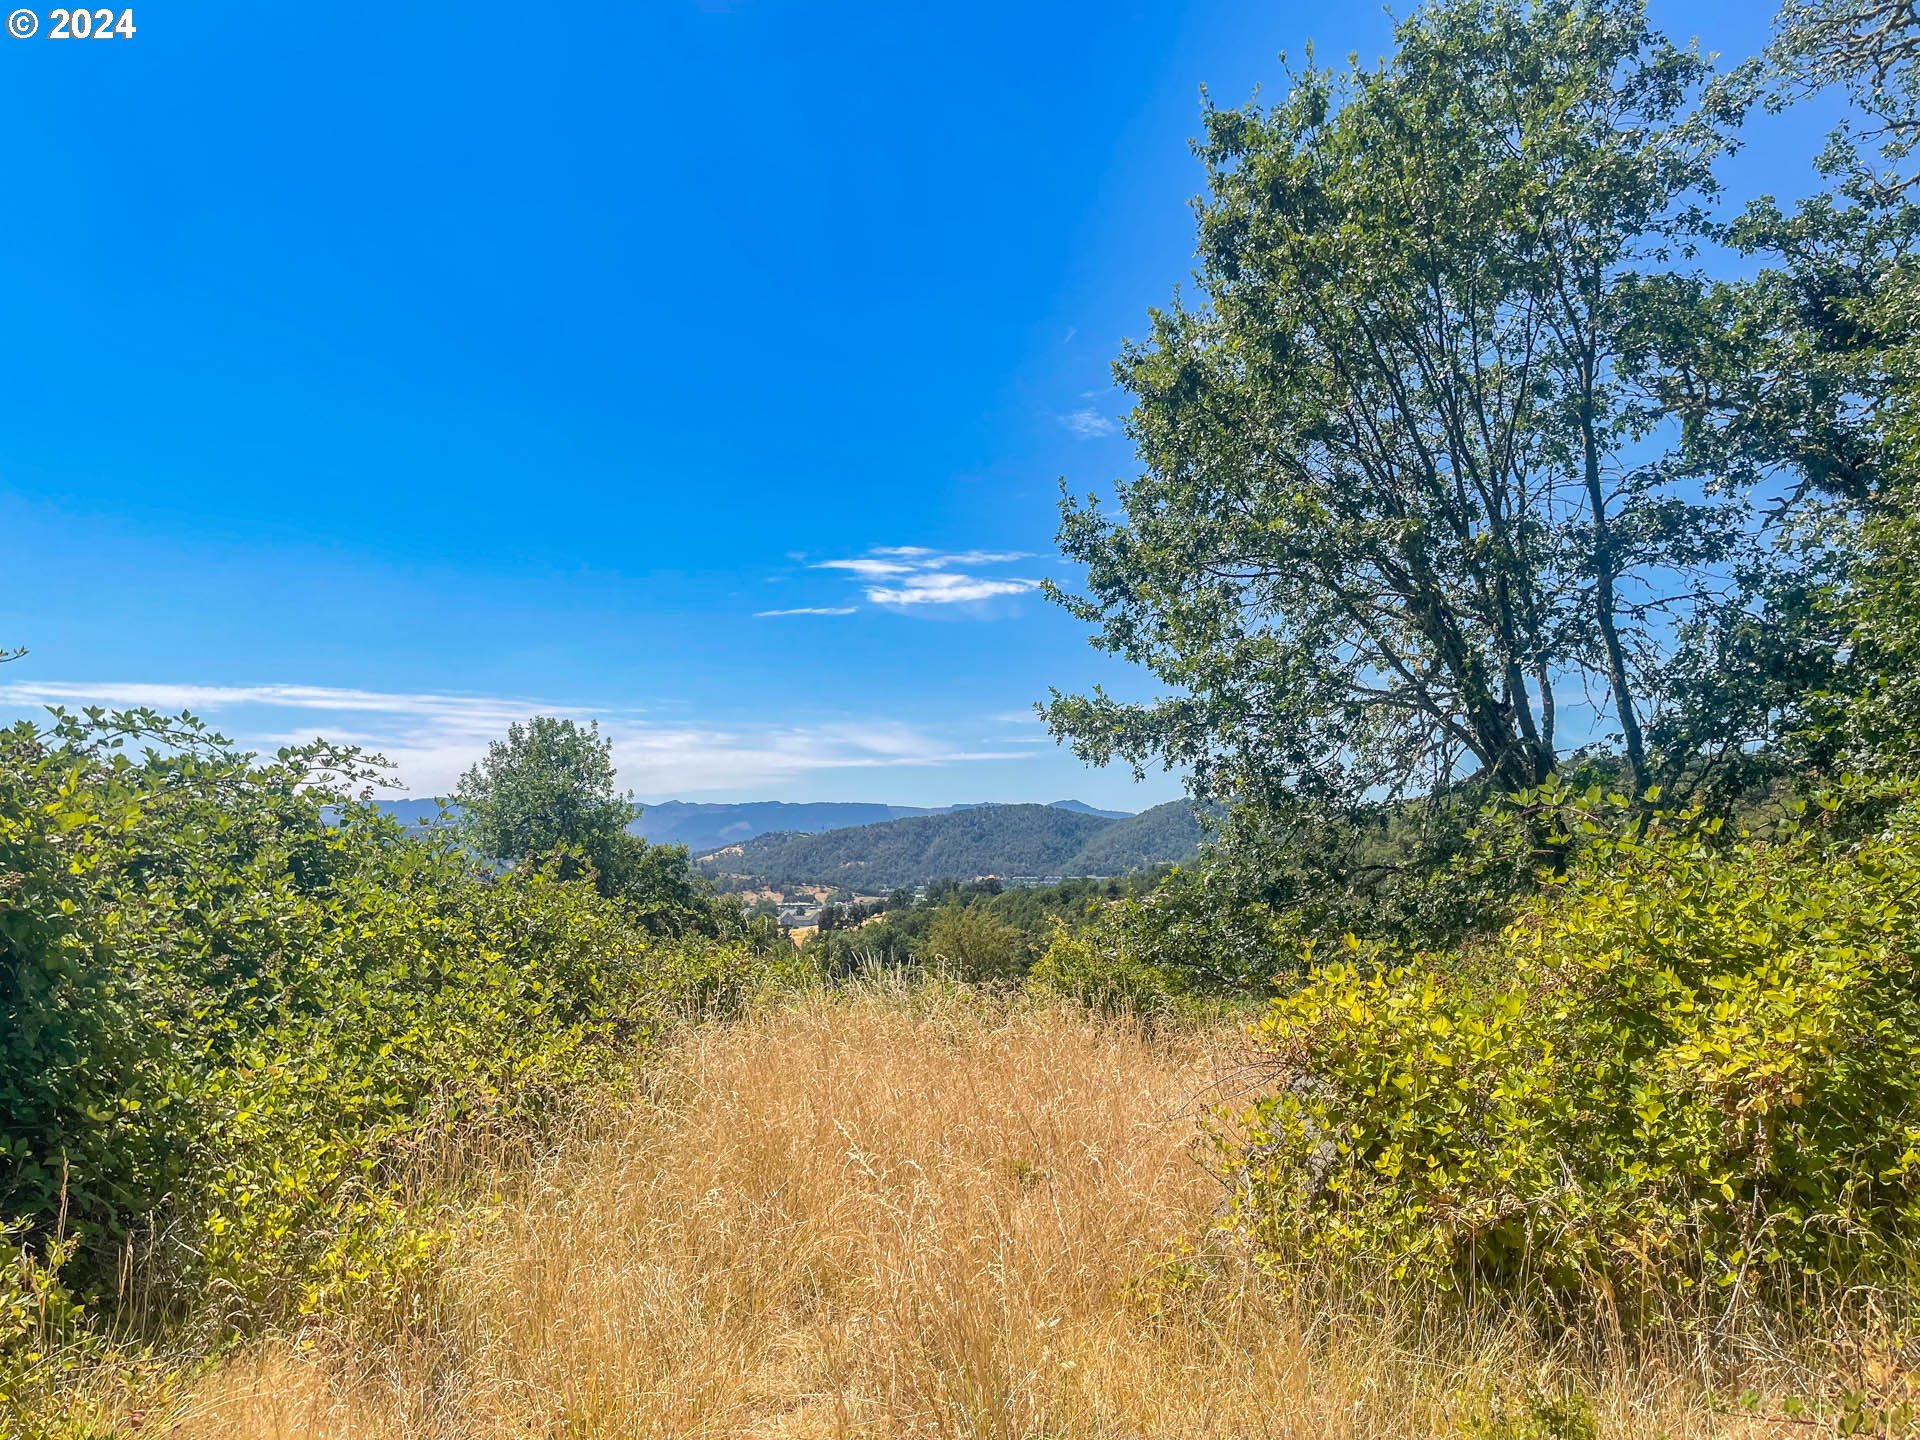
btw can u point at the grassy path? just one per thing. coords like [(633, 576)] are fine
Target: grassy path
[(896, 1215)]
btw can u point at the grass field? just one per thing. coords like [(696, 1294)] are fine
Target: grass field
[(914, 1213)]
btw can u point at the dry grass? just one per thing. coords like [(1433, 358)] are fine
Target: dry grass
[(892, 1215)]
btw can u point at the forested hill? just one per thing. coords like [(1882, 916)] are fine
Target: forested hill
[(1159, 836), (707, 827), (1003, 840), (702, 828)]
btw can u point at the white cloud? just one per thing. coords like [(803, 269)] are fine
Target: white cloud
[(975, 557), (806, 610), (883, 561), (1088, 423), (480, 711), (913, 575), (871, 567), (947, 589), (432, 738), (668, 761)]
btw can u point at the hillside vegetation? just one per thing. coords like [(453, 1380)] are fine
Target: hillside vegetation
[(707, 827), (915, 1213), (240, 1002), (977, 929), (1002, 840), (1163, 835), (1493, 1071)]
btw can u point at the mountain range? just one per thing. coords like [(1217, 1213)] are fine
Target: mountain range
[(874, 846), (708, 827), (702, 828), (1004, 840)]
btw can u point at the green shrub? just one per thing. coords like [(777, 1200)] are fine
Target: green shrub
[(977, 944), (1188, 939), (1095, 966), (1692, 1063), (94, 1117), (239, 1004)]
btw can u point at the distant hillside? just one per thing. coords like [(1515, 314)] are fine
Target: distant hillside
[(1005, 840), (702, 828), (1083, 808), (707, 827), (1153, 837)]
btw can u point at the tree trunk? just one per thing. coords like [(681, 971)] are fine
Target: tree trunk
[(1604, 574)]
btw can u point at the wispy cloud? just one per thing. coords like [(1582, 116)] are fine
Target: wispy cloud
[(869, 566), (432, 738), (669, 761), (947, 589), (806, 610), (901, 576), (475, 710), (1088, 423)]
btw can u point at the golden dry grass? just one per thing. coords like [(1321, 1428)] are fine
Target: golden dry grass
[(893, 1215)]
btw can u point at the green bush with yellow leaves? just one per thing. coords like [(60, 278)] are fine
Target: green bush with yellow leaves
[(1691, 1065)]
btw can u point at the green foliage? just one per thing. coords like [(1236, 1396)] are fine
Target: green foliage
[(546, 794), (1106, 966), (1529, 1412), (1163, 835), (1282, 879), (662, 892), (548, 786), (1393, 490), (976, 944), (1191, 937), (1802, 373), (899, 931), (1459, 421), (239, 1001), (1877, 718), (1798, 377), (111, 868), (1694, 1063), (1866, 47)]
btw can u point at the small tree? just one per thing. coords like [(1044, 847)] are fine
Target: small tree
[(548, 786), (660, 888), (978, 944)]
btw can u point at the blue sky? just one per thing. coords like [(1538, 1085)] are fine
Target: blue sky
[(706, 368)]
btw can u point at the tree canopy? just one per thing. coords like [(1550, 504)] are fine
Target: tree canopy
[(1402, 485), (549, 784)]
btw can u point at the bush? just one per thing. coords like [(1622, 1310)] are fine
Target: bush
[(237, 1004), (977, 944), (1191, 937), (1693, 1063)]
